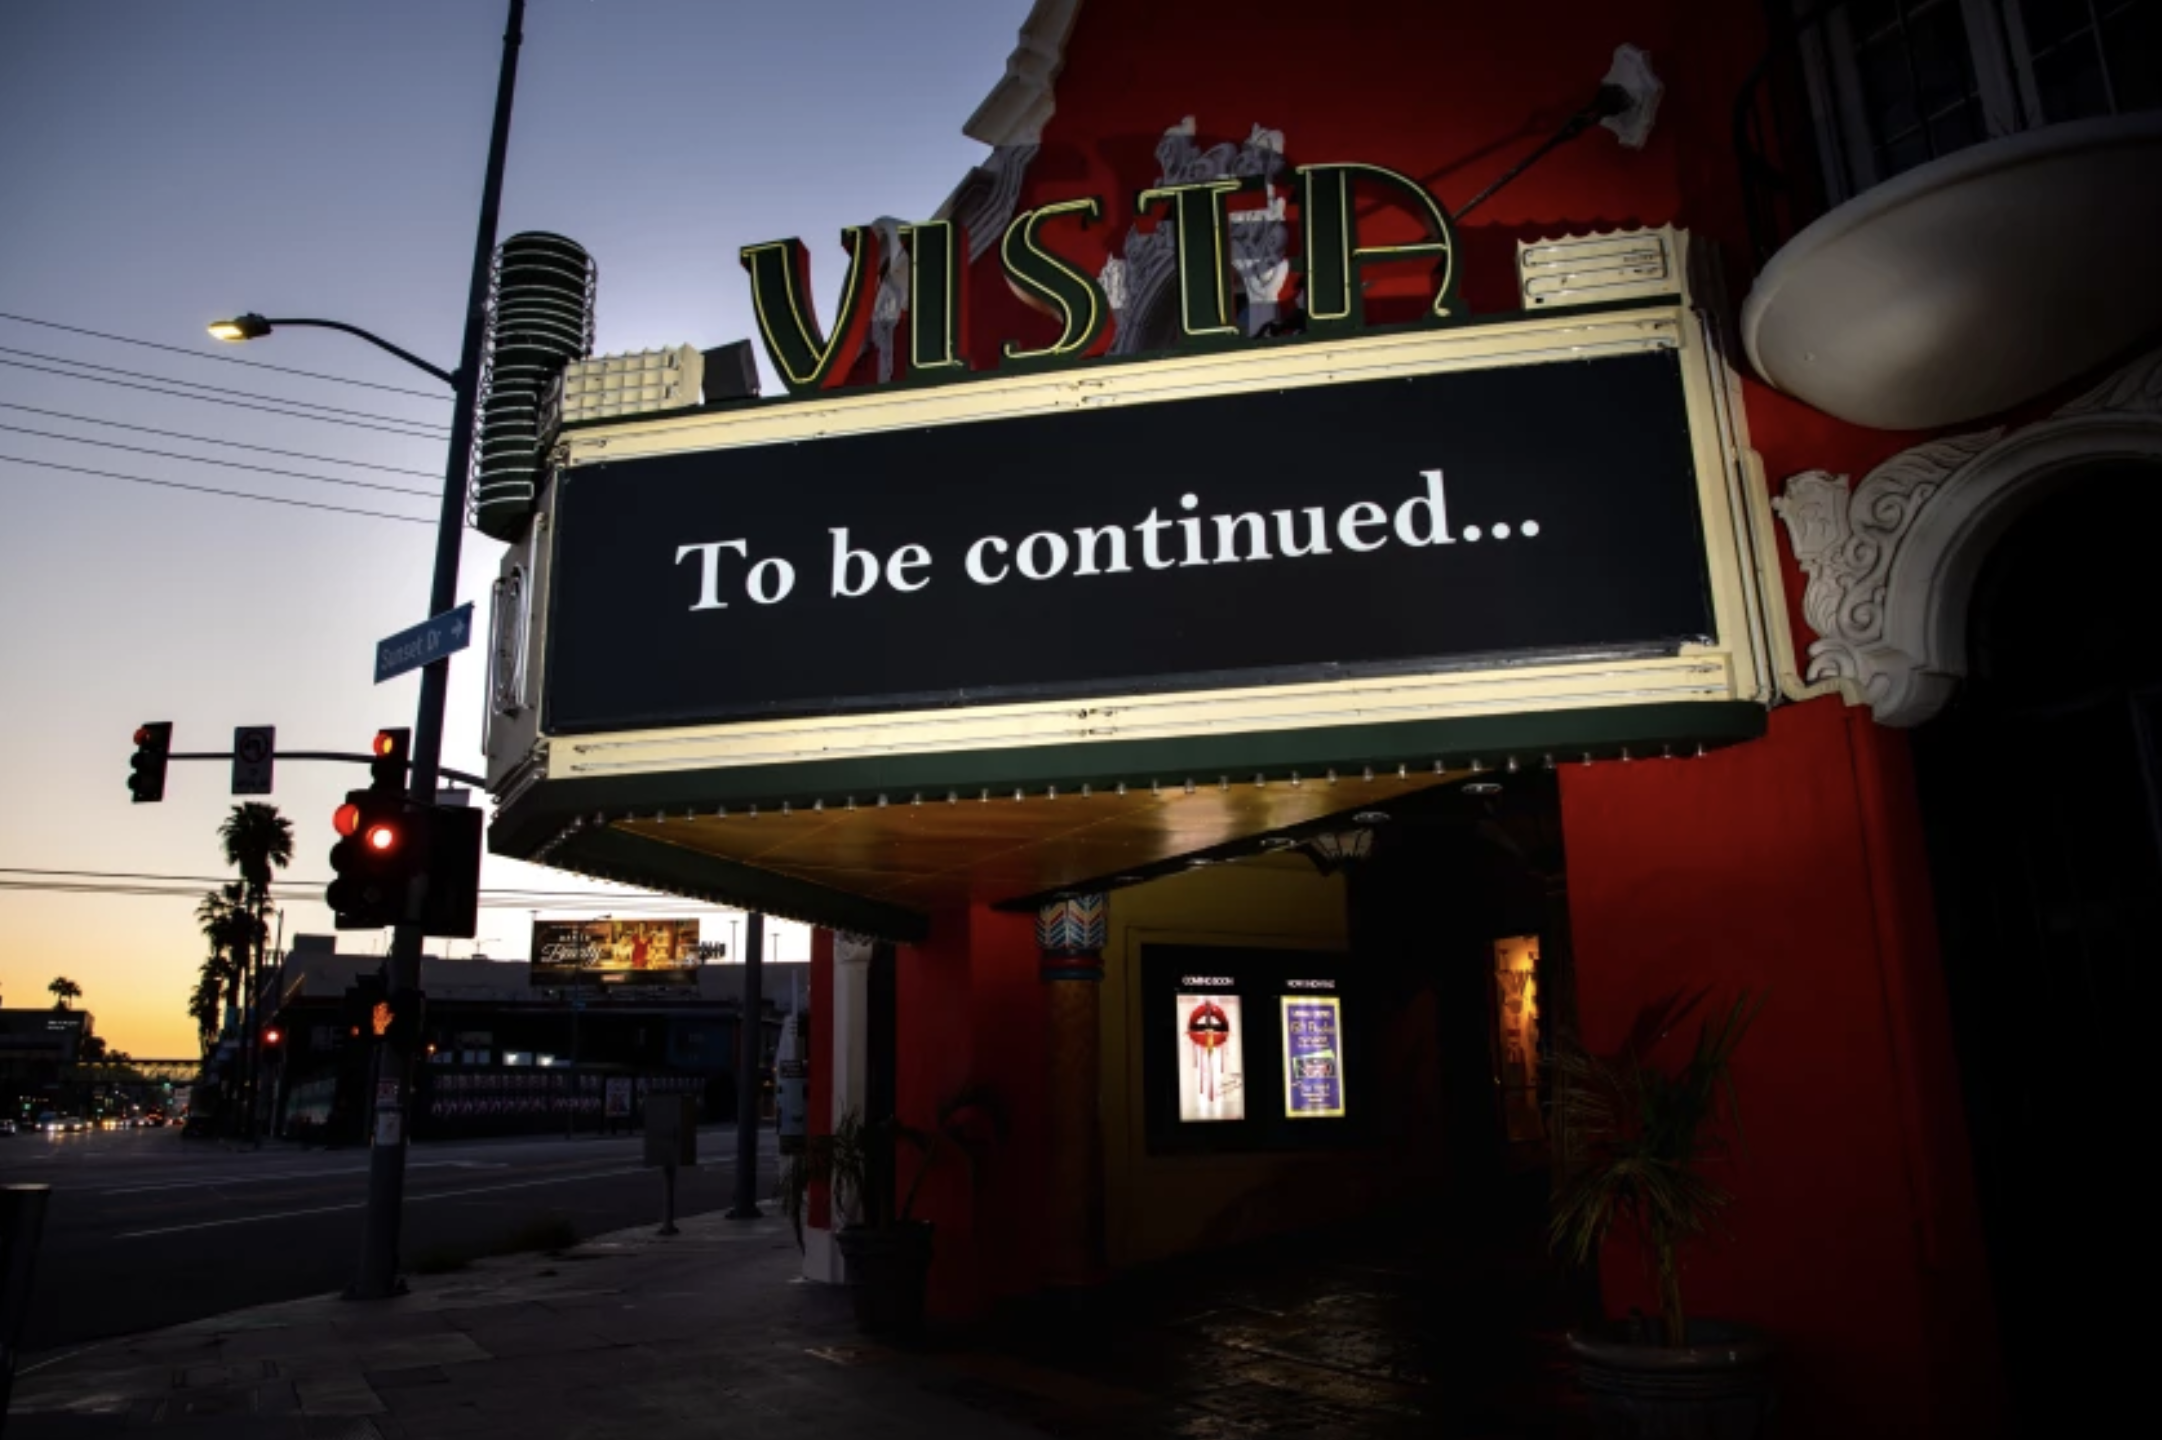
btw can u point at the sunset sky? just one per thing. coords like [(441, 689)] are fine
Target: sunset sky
[(163, 165)]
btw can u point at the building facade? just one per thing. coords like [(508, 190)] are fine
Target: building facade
[(504, 1055), (1288, 597)]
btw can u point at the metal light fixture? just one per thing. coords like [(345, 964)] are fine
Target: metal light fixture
[(240, 327), (1332, 850)]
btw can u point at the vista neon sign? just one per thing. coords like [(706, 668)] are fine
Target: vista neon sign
[(1326, 276)]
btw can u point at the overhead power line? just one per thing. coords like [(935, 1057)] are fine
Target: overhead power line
[(222, 359), (219, 389), (212, 490), (214, 440), (223, 464), (214, 400)]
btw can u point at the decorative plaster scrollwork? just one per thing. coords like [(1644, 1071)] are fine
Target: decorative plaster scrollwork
[(2136, 388), (1139, 279), (1845, 545), (987, 198), (1890, 564), (890, 301)]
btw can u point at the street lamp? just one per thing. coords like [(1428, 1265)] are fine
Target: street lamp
[(252, 326), (378, 1274)]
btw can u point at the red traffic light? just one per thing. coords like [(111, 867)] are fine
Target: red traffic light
[(386, 742), (346, 819), (273, 1035), (142, 734), (382, 837)]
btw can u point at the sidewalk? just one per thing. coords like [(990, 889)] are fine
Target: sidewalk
[(626, 1335), (709, 1333)]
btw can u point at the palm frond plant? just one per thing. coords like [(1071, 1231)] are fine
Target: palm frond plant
[(1644, 1133), (887, 1249), (970, 1123), (839, 1161)]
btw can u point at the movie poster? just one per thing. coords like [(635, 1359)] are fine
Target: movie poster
[(1212, 1058), (1313, 1057), (616, 952)]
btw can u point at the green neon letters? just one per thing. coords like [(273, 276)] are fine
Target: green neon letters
[(1052, 285), (809, 359), (1333, 252), (781, 296), (937, 326), (1201, 237)]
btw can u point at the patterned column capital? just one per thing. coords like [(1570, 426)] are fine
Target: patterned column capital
[(1070, 936)]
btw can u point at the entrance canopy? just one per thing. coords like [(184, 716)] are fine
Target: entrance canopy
[(862, 655)]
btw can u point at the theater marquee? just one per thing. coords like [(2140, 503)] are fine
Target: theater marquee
[(1396, 554), (1411, 522)]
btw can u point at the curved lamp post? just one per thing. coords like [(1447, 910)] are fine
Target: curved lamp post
[(254, 327), (378, 1271)]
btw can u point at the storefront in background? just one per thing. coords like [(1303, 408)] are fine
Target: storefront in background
[(1245, 636)]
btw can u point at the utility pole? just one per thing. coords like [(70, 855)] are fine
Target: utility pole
[(378, 1275), (750, 1051)]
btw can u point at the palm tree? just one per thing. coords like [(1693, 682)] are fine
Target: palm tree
[(203, 1004), (64, 990), (256, 837), (227, 925)]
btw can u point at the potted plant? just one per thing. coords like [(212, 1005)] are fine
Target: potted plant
[(887, 1248), (838, 1161), (1643, 1132)]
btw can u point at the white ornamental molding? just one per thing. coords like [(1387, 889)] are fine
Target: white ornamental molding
[(1892, 563), (1017, 107)]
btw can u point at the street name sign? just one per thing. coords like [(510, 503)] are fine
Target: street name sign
[(431, 640), (254, 748)]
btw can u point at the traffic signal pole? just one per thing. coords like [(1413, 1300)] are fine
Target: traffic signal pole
[(378, 1275)]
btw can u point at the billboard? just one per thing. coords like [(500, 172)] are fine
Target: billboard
[(617, 952), (1212, 1081), (1313, 1057)]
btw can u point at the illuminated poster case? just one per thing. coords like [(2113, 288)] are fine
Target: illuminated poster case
[(1250, 1050)]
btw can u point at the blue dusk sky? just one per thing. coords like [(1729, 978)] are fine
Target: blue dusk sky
[(167, 162)]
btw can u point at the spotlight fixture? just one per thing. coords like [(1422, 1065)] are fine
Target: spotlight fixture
[(1332, 850)]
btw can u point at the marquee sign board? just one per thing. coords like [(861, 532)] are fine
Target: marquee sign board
[(1412, 523)]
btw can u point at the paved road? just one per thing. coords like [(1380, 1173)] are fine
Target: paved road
[(146, 1229)]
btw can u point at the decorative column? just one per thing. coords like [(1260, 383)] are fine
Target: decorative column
[(843, 1030), (1070, 934)]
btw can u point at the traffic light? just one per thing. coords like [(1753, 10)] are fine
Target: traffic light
[(392, 750), (385, 843), (451, 908), (146, 771), (367, 993), (273, 1037), (375, 1013), (380, 849)]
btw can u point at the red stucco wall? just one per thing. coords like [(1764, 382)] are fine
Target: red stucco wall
[(1793, 865), (971, 1011), (1794, 862)]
